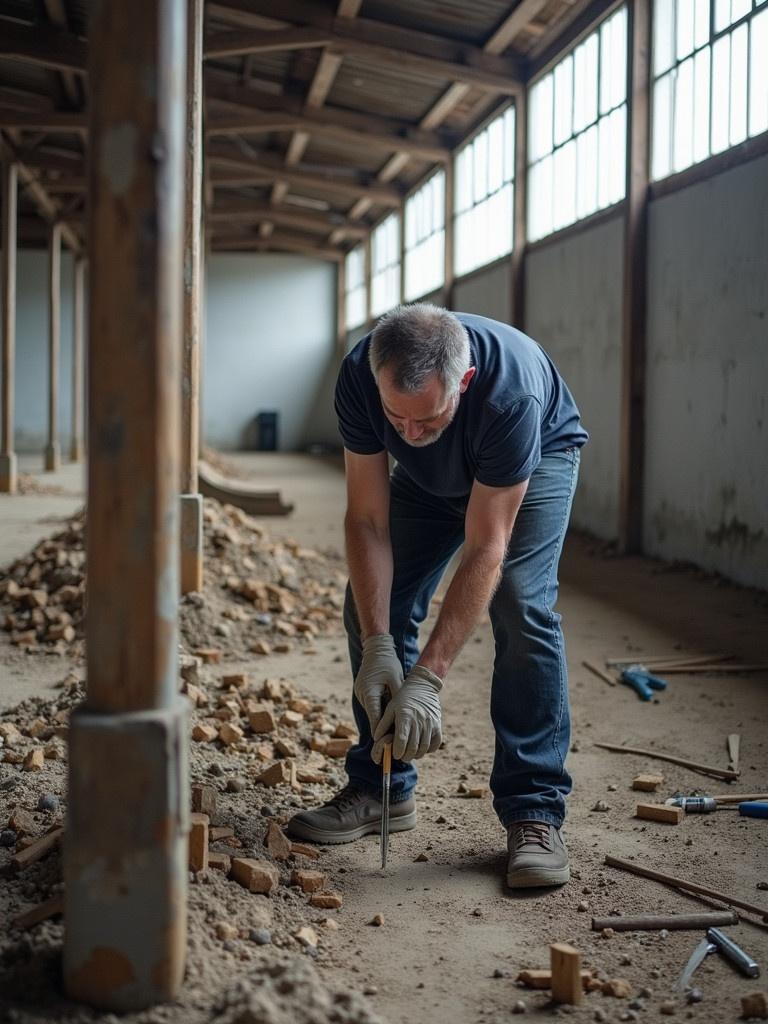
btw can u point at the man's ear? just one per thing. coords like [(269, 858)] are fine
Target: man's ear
[(464, 383)]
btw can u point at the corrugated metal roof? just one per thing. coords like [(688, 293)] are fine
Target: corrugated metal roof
[(362, 86), (471, 22)]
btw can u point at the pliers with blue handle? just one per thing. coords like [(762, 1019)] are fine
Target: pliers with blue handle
[(642, 681)]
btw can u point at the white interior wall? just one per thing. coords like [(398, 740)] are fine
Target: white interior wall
[(706, 486), (270, 345), (573, 289)]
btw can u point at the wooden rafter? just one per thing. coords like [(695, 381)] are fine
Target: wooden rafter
[(47, 47), (276, 242), (245, 211), (57, 15)]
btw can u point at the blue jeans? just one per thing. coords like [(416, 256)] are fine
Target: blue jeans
[(529, 690)]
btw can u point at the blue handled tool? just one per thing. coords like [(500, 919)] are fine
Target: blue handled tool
[(642, 681), (754, 809)]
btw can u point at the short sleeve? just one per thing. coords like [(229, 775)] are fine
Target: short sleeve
[(355, 425), (509, 446)]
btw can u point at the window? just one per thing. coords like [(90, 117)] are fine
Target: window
[(425, 238), (484, 173), (385, 261), (577, 131), (710, 79), (355, 292)]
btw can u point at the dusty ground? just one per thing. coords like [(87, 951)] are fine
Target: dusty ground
[(453, 940)]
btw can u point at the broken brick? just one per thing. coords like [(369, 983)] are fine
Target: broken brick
[(10, 734), (277, 842), (326, 900), (276, 774), (34, 761), (306, 936), (617, 987), (204, 799), (755, 1005), (300, 706), (345, 730), (308, 881), (198, 697), (648, 783), (220, 862), (304, 850), (225, 931), (261, 719), (230, 734), (255, 875), (198, 842), (291, 719), (261, 647), (286, 748), (210, 655), (204, 733), (272, 690), (21, 821), (337, 748)]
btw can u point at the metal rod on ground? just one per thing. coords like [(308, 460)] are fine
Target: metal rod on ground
[(685, 885), (671, 922), (672, 659), (719, 669), (718, 773)]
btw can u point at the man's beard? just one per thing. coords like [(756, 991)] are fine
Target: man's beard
[(425, 439)]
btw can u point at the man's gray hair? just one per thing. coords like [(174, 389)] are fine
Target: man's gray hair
[(417, 341)]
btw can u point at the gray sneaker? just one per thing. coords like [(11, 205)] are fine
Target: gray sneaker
[(351, 814), (537, 855)]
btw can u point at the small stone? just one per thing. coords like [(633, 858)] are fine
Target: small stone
[(583, 906), (600, 1015), (34, 761), (755, 1005), (48, 802), (377, 920), (267, 811), (646, 993), (261, 936), (215, 769), (601, 805), (607, 933), (330, 923), (694, 996), (306, 936), (636, 1004), (612, 787), (236, 784), (421, 858), (519, 1007), (224, 930), (667, 1008), (8, 837), (370, 990), (663, 934), (655, 972), (762, 885), (617, 987), (625, 960), (628, 1015)]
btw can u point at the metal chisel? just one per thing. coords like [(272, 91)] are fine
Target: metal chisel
[(718, 942), (386, 768)]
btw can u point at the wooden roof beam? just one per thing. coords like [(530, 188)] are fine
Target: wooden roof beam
[(475, 69), (57, 15), (47, 121), (44, 46), (276, 242), (244, 174), (246, 211)]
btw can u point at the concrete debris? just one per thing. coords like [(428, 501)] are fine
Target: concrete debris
[(326, 900), (308, 881), (255, 875), (617, 987), (277, 843), (377, 920), (755, 1006)]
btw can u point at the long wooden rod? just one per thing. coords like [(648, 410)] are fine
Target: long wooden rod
[(718, 773)]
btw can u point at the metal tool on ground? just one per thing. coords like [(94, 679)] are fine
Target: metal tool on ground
[(642, 681), (668, 922), (386, 778), (716, 941), (707, 804), (754, 809)]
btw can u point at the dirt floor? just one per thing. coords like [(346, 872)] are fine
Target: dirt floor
[(453, 940)]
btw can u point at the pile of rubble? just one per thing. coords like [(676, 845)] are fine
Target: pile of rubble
[(260, 596)]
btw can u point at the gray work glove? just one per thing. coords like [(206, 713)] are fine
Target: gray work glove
[(380, 676), (415, 714)]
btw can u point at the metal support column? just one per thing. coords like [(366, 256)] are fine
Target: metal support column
[(53, 448), (8, 467)]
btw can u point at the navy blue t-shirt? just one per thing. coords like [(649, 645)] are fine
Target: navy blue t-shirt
[(516, 408)]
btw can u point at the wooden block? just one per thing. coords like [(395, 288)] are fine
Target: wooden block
[(230, 734), (216, 832), (648, 783), (220, 862), (255, 875), (261, 719), (755, 1006), (337, 748), (276, 774), (326, 900), (37, 849), (660, 812), (565, 962), (202, 733), (308, 881), (43, 911), (198, 842), (278, 844), (204, 799)]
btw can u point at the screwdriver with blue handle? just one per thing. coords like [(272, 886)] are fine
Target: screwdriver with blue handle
[(642, 681)]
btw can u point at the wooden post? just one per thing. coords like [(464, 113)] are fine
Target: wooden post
[(517, 312), (125, 853), (341, 306), (632, 427), (52, 450), (8, 467), (76, 438), (448, 207), (191, 499), (565, 962)]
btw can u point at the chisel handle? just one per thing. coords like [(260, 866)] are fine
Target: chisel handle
[(743, 961), (386, 761), (754, 808)]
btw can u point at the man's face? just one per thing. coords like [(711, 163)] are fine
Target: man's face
[(421, 417)]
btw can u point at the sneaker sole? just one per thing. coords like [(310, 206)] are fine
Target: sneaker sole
[(327, 838), (535, 878)]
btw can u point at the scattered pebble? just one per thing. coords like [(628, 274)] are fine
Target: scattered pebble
[(625, 960), (663, 934), (600, 1015), (261, 936), (694, 996), (48, 802), (636, 1004), (377, 920), (215, 769), (583, 906), (646, 993), (607, 933), (612, 787), (268, 811), (519, 1007), (667, 1008), (370, 990), (8, 837), (236, 784), (421, 858), (762, 885), (601, 805)]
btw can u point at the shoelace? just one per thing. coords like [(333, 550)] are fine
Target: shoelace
[(533, 832), (345, 798)]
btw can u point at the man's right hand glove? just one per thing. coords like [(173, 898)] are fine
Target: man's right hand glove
[(380, 676), (414, 716)]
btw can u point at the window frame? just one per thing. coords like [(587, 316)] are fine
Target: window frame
[(441, 285), (363, 248), (399, 216)]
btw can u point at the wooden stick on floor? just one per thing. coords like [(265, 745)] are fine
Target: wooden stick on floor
[(685, 885), (672, 922), (734, 744), (599, 673), (718, 773)]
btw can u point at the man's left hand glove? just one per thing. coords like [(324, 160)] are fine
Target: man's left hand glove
[(415, 713)]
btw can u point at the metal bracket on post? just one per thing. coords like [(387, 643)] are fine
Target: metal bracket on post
[(125, 902), (191, 543)]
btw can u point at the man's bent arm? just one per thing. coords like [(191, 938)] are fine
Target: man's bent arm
[(369, 549), (489, 520)]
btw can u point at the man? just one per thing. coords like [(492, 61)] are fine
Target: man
[(486, 438)]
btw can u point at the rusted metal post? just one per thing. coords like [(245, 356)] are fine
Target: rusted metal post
[(125, 863), (52, 449), (8, 467), (76, 438), (191, 499)]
